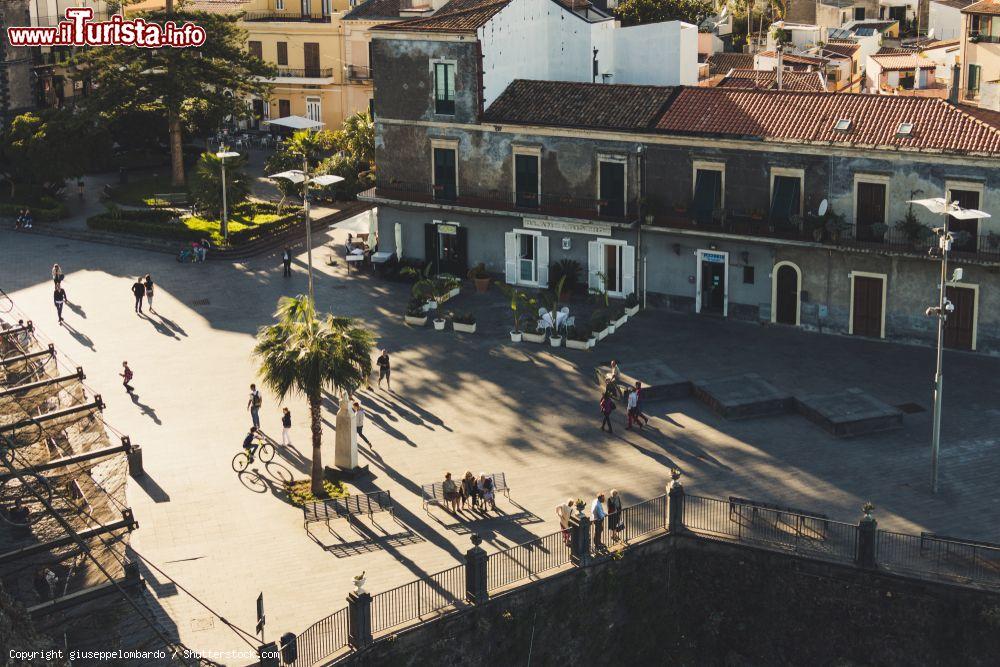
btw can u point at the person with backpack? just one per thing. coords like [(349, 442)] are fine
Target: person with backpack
[(127, 377), (607, 407), (253, 405)]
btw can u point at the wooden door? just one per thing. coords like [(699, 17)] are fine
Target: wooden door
[(960, 324), (786, 295), (871, 209), (311, 53), (612, 189), (867, 318)]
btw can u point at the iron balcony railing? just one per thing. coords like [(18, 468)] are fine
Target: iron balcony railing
[(962, 561), (306, 73), (522, 203), (283, 17), (359, 72), (418, 598), (527, 560)]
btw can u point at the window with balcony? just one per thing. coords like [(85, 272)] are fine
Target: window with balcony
[(283, 53), (984, 28), (255, 49), (972, 81), (310, 51), (786, 196), (526, 181), (870, 203), (444, 88), (611, 187), (445, 173), (708, 191)]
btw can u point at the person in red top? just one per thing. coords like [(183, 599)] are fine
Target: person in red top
[(127, 377), (607, 406)]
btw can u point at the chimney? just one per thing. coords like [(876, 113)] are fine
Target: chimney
[(779, 48), (956, 76)]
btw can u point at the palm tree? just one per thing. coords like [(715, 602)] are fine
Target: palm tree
[(304, 352)]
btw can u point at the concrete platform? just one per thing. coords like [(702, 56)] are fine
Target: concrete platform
[(659, 381), (850, 412), (743, 396)]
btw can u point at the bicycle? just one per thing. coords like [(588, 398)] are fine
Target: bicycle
[(264, 452)]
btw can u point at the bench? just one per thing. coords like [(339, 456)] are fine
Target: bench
[(801, 517), (433, 494), (345, 508)]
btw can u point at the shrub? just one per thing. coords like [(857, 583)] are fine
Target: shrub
[(631, 301), (144, 223), (463, 318), (49, 211), (415, 308), (599, 320), (578, 333), (565, 268), (300, 493)]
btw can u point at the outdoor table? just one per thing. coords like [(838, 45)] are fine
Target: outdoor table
[(353, 258)]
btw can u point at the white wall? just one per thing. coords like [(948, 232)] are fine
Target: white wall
[(873, 72), (662, 54), (945, 22)]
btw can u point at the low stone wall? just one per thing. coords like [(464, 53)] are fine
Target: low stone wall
[(691, 601)]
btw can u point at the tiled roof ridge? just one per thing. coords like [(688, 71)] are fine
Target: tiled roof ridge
[(591, 84)]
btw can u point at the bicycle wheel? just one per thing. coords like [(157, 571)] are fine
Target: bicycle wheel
[(240, 462), (266, 452)]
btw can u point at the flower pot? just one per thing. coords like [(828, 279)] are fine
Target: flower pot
[(592, 342), (453, 293), (620, 322), (415, 321), (631, 312), (555, 341), (611, 328), (577, 344), (515, 336), (439, 324), (482, 284), (603, 333), (464, 328), (534, 337)]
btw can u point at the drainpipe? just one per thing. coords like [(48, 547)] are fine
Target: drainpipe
[(640, 266), (956, 78)]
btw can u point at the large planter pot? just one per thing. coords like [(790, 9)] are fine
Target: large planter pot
[(577, 344), (464, 328), (556, 341), (631, 312), (592, 342), (439, 324), (603, 333), (515, 336), (455, 292), (482, 284), (620, 322), (534, 337), (415, 321), (611, 328)]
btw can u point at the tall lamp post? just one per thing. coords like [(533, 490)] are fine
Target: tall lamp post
[(222, 155), (944, 307)]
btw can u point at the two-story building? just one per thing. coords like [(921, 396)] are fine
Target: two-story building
[(773, 206)]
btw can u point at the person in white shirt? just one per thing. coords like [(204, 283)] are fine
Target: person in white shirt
[(597, 515), (632, 406), (564, 512), (359, 416)]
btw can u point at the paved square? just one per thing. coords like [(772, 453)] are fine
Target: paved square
[(465, 402)]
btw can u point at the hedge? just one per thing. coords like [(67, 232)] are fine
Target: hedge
[(143, 223), (39, 213)]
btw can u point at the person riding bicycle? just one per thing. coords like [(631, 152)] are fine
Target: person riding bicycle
[(250, 443)]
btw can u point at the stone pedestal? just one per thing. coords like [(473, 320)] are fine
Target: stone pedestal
[(475, 572), (359, 619), (346, 450)]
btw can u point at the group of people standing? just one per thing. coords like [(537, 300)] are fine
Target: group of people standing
[(480, 492), (604, 512), (143, 288), (632, 397), (24, 219)]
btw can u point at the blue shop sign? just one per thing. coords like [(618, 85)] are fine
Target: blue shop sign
[(714, 257)]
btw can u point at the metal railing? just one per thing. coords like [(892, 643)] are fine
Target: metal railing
[(944, 558), (805, 534), (282, 17), (644, 517), (418, 598), (359, 72), (305, 73), (321, 639), (549, 203), (526, 560)]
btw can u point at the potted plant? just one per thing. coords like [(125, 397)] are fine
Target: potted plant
[(591, 339), (550, 299), (464, 322), (879, 230), (619, 317), (577, 338), (415, 314), (536, 336), (631, 304), (450, 286), (518, 301), (439, 323), (599, 323), (480, 277), (916, 232), (568, 271)]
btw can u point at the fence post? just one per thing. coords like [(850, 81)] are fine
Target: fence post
[(867, 533), (359, 615), (675, 502), (268, 655), (476, 590), (579, 529)]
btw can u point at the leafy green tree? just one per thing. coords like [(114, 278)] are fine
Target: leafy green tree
[(206, 183), (635, 12), (306, 352), (203, 85)]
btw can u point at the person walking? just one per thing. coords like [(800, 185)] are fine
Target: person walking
[(359, 416), (607, 406), (631, 401), (615, 523), (138, 291), (564, 512), (286, 259), (286, 427), (148, 284), (253, 405), (127, 376), (384, 369), (597, 516), (638, 404), (59, 297), (57, 275)]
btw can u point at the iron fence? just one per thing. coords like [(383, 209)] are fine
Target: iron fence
[(526, 560), (644, 517), (417, 598), (320, 640), (943, 558), (772, 528)]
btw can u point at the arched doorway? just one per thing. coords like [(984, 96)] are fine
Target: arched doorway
[(786, 288)]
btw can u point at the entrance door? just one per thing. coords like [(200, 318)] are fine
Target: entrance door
[(612, 268), (311, 52), (960, 324), (871, 209), (966, 232), (867, 318), (444, 174), (786, 304), (712, 288), (314, 109)]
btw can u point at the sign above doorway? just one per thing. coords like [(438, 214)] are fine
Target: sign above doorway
[(592, 228)]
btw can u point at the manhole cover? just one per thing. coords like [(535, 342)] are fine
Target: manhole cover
[(205, 623), (201, 302), (911, 408)]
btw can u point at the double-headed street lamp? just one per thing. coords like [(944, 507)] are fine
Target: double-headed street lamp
[(222, 155), (944, 307), (302, 176)]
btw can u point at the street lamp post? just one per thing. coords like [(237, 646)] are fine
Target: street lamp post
[(945, 239), (222, 155)]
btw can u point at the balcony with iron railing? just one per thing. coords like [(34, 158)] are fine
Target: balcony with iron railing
[(305, 73), (359, 72), (520, 203), (285, 17)]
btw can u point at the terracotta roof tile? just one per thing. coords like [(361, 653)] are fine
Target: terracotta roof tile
[(983, 7), (894, 62), (584, 105), (456, 16), (768, 80), (375, 9), (720, 63), (795, 58), (957, 4), (842, 48)]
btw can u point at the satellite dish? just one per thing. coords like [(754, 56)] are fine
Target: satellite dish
[(823, 206)]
